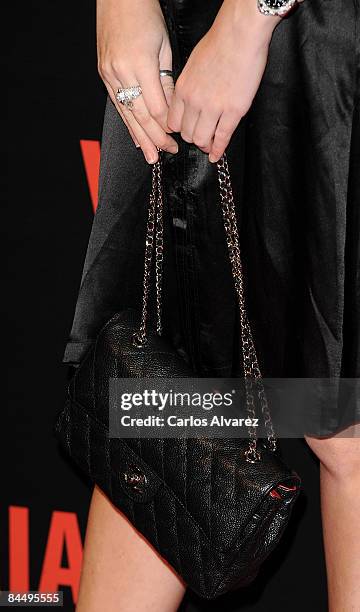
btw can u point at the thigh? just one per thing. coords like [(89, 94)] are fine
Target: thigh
[(121, 571)]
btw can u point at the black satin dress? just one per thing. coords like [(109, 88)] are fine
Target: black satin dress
[(295, 165)]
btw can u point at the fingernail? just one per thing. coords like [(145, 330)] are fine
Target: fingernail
[(173, 149), (212, 158), (151, 160), (137, 146)]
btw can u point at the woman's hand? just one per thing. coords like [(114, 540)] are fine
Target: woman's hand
[(133, 45), (222, 75)]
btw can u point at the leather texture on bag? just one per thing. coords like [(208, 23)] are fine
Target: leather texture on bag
[(213, 516)]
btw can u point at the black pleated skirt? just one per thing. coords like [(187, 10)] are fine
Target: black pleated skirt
[(295, 166)]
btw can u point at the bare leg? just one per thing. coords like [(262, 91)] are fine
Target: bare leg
[(340, 509), (121, 572)]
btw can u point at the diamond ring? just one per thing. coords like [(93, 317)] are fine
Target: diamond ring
[(127, 95)]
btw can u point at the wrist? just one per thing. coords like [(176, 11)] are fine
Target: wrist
[(245, 14)]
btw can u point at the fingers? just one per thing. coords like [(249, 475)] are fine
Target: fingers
[(224, 130), (168, 88), (167, 81), (147, 119), (153, 130), (115, 102), (150, 108), (204, 131), (145, 143), (138, 135), (188, 123), (176, 112), (208, 129), (154, 96)]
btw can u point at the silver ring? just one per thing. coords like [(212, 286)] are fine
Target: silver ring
[(166, 73), (126, 95)]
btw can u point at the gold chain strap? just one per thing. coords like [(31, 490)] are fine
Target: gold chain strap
[(154, 237), (250, 361)]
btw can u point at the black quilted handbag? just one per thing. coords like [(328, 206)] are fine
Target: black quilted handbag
[(214, 508)]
